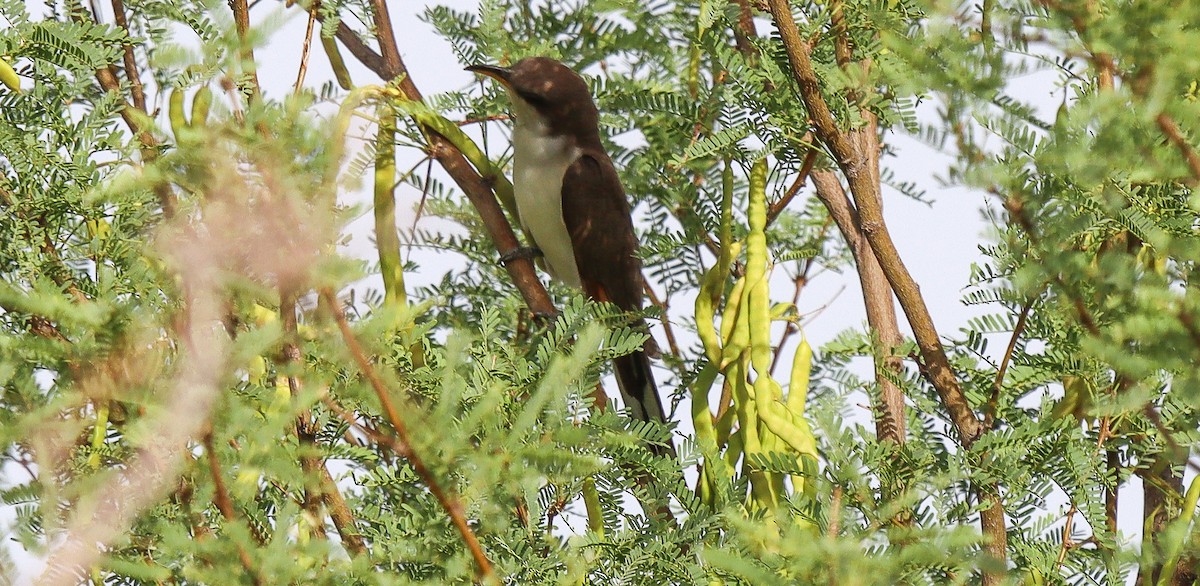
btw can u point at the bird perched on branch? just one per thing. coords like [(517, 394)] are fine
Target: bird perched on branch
[(570, 200)]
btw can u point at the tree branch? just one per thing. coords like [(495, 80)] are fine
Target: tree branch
[(993, 404), (857, 155), (131, 68), (858, 168), (241, 19), (805, 169), (477, 189), (306, 433), (109, 82), (225, 505), (890, 423), (450, 503), (1169, 128)]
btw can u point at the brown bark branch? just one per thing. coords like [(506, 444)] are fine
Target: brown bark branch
[(306, 47), (449, 502), (805, 169), (841, 37), (241, 20), (386, 36), (1169, 128), (745, 29), (1161, 490), (477, 189), (131, 70), (225, 505), (890, 423), (1067, 542), (149, 151), (343, 519), (857, 155), (993, 404), (306, 432), (858, 167)]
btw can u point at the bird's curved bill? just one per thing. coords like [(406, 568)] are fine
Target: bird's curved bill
[(500, 74)]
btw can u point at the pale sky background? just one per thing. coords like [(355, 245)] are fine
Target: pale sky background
[(938, 242)]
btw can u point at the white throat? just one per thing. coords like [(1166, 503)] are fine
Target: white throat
[(539, 162)]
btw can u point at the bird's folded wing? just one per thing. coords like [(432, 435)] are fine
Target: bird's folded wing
[(597, 216)]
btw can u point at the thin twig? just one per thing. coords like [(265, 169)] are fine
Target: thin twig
[(241, 20), (777, 208), (665, 319), (133, 117), (1169, 128), (1067, 542), (480, 120), (452, 506), (131, 68), (993, 404), (225, 505), (306, 48), (790, 327)]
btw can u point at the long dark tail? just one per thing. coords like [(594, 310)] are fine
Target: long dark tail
[(640, 394)]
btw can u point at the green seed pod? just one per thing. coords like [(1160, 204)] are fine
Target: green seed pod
[(175, 112), (9, 76), (335, 61), (201, 103)]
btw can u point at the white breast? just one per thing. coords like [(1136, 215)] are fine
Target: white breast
[(539, 161)]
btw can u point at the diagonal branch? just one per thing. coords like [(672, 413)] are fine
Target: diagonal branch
[(403, 444), (858, 167), (477, 189), (857, 155), (1171, 129), (993, 404), (131, 69), (225, 505), (877, 298), (241, 20)]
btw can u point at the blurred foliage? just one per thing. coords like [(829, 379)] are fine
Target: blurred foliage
[(1088, 274)]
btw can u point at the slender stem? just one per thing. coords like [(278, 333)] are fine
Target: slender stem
[(665, 319), (1169, 128), (777, 208), (798, 285), (133, 116), (225, 505), (306, 432), (306, 48), (1067, 542), (477, 189), (131, 68), (452, 506), (993, 404), (241, 20)]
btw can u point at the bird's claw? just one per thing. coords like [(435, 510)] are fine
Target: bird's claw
[(520, 252)]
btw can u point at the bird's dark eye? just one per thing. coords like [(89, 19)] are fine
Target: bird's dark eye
[(532, 98)]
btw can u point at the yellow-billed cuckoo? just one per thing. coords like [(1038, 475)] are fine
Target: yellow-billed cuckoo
[(571, 202)]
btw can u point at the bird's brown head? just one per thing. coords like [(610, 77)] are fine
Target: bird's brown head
[(550, 89)]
